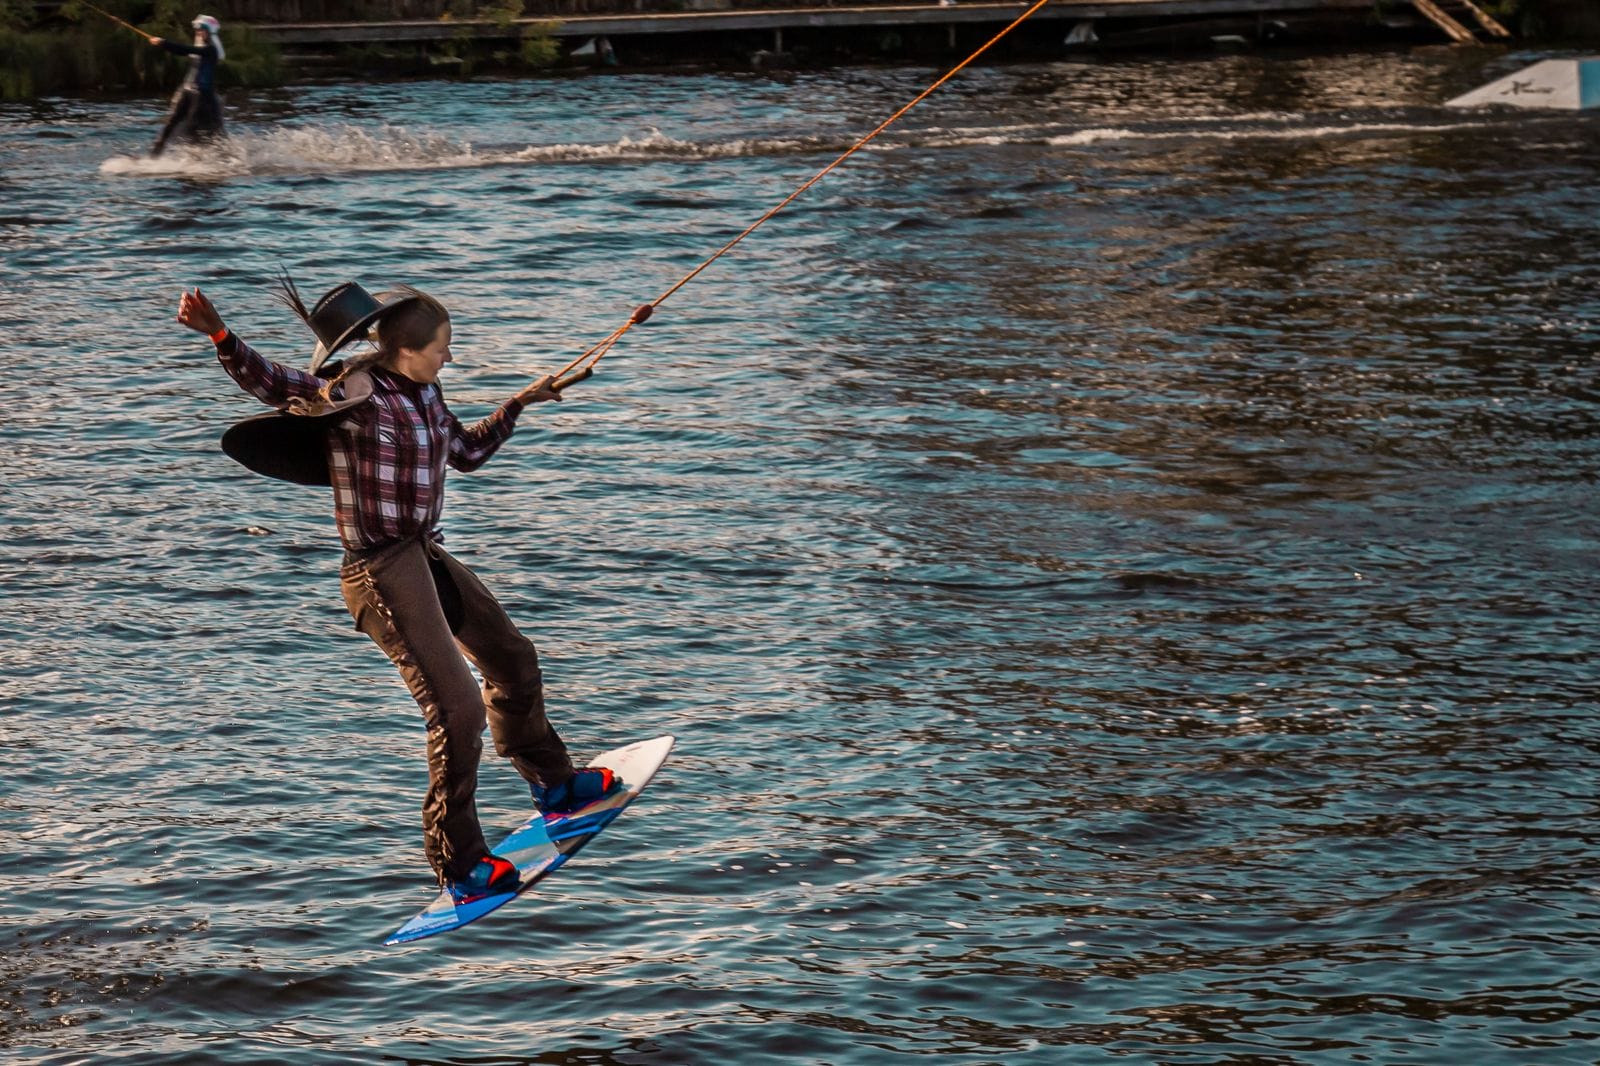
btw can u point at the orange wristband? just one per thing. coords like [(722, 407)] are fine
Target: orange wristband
[(220, 335)]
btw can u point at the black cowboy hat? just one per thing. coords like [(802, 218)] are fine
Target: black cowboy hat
[(290, 444), (344, 314)]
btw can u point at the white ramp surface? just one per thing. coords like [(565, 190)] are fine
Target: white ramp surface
[(1567, 84)]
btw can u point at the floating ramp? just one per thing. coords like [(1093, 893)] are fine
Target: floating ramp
[(1569, 84)]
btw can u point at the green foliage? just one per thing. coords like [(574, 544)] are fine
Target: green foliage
[(539, 47), (465, 51), (459, 47), (502, 13), (16, 74), (251, 61), (37, 63), (536, 47), (15, 14), (85, 50)]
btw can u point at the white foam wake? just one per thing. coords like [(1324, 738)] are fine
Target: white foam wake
[(315, 149), (1287, 132), (306, 149), (346, 148)]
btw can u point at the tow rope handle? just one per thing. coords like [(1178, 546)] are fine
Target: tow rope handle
[(567, 376), (572, 379)]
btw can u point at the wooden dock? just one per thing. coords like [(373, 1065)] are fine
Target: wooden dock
[(1456, 17), (717, 28), (775, 21)]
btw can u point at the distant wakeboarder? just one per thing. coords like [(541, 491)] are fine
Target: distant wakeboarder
[(196, 115)]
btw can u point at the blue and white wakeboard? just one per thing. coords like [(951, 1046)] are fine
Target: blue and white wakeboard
[(543, 843)]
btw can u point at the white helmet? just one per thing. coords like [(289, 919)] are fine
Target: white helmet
[(213, 30)]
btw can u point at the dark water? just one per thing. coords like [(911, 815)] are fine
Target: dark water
[(1118, 558)]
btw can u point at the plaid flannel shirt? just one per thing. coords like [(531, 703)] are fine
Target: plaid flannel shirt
[(387, 459)]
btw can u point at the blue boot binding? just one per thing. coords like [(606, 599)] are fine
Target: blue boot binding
[(578, 791), (492, 875)]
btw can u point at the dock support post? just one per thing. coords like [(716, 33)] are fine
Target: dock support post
[(1453, 29), (1486, 20)]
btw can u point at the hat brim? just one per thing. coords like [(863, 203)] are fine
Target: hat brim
[(284, 446), (386, 302), (292, 447)]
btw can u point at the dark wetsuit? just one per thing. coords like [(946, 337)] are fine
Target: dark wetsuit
[(196, 114)]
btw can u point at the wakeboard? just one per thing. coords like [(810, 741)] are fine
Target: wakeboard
[(542, 844)]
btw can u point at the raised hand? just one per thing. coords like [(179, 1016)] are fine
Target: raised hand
[(196, 312)]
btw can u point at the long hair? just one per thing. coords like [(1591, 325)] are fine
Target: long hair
[(413, 324)]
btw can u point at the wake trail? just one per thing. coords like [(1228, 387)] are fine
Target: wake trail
[(347, 149)]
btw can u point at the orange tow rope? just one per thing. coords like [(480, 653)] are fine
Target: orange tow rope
[(643, 312), (119, 22)]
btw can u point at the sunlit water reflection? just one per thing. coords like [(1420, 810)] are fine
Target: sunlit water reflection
[(1116, 556)]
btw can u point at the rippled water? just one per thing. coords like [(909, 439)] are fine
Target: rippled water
[(1117, 557)]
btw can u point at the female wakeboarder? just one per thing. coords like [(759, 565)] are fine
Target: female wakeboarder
[(380, 433), (196, 114)]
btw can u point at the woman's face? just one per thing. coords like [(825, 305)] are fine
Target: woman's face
[(423, 364)]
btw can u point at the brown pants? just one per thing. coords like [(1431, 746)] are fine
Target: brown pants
[(398, 596)]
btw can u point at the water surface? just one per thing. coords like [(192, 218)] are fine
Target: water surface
[(1117, 556)]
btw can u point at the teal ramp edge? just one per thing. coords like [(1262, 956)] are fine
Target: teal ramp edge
[(1589, 82)]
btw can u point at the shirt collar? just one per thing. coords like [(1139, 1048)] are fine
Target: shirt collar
[(401, 383)]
